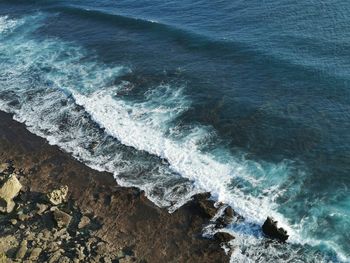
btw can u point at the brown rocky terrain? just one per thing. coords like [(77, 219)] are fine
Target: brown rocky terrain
[(67, 212)]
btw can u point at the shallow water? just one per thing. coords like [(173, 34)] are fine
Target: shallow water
[(246, 100)]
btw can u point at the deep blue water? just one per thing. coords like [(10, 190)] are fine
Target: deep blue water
[(249, 100)]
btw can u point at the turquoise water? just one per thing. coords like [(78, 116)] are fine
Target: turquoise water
[(248, 101)]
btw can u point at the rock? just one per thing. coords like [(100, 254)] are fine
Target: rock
[(84, 221), (271, 230), (228, 212), (34, 255), (55, 256), (62, 218), (22, 250), (126, 259), (64, 259), (23, 217), (120, 254), (226, 218), (41, 208), (80, 253), (7, 243), (202, 206), (4, 167), (58, 196), (107, 260), (8, 191), (13, 221), (3, 258), (101, 248), (223, 237)]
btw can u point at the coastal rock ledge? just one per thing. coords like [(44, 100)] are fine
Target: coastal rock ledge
[(68, 212)]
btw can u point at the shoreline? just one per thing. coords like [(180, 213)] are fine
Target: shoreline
[(126, 218)]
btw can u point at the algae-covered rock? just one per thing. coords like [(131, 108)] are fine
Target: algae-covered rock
[(9, 190), (58, 196)]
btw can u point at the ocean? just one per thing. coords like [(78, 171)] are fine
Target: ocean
[(247, 100)]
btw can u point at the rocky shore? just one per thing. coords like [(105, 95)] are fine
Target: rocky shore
[(55, 209)]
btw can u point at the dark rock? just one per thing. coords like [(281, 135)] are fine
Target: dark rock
[(271, 230), (223, 237), (203, 205), (226, 218), (228, 212)]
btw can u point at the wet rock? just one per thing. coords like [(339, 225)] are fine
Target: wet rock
[(58, 196), (22, 250), (8, 191), (228, 212), (203, 206), (62, 218), (271, 230), (34, 255), (84, 221), (223, 237)]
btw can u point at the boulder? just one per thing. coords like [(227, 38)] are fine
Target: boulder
[(271, 230), (62, 218), (58, 196), (9, 190)]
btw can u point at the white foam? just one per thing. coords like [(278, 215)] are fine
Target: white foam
[(131, 124)]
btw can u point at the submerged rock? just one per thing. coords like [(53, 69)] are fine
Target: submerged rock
[(58, 196), (271, 230), (8, 191)]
